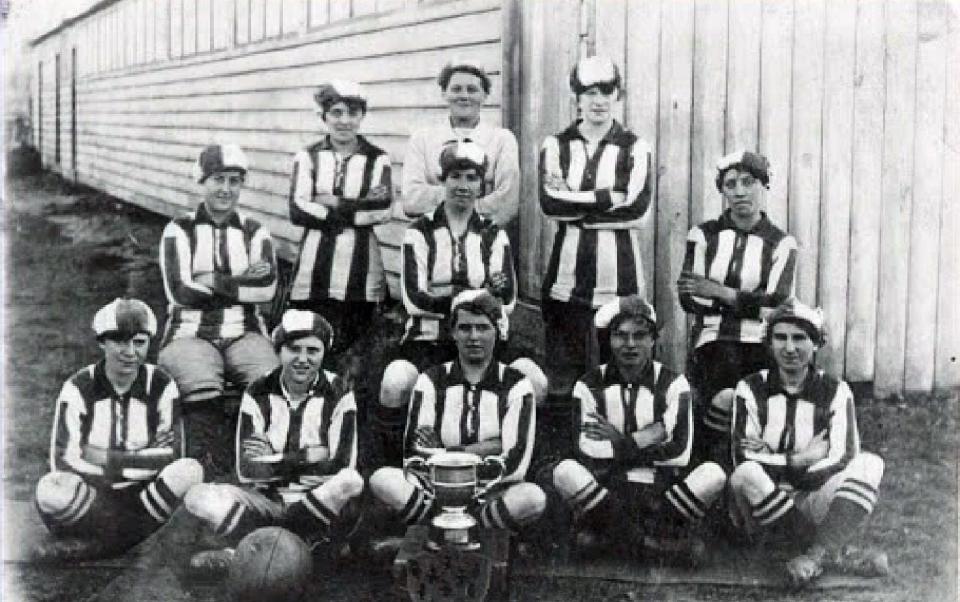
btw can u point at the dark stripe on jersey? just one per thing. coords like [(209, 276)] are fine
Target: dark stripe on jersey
[(359, 263), (626, 266), (585, 271), (348, 434), (324, 260), (515, 455), (621, 179), (732, 278)]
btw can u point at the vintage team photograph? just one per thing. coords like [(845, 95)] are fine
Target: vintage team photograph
[(466, 300)]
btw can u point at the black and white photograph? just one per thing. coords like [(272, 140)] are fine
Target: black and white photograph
[(480, 300)]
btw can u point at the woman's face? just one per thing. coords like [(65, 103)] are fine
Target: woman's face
[(741, 190), (343, 122), (464, 95), (462, 188), (596, 105)]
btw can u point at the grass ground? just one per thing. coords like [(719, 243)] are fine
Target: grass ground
[(70, 251)]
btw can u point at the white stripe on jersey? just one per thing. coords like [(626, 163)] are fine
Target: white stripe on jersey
[(752, 264), (326, 171), (203, 253), (237, 251), (721, 261), (308, 259)]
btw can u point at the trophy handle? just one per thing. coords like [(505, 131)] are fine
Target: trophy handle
[(416, 462), (498, 461)]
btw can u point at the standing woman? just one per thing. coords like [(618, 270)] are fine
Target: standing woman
[(340, 189), (737, 267), (595, 184), (464, 88)]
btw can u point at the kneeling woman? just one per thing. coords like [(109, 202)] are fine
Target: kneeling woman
[(447, 251)]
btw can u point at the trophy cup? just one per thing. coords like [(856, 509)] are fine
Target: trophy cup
[(452, 479)]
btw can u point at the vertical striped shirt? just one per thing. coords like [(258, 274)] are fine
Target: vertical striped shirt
[(661, 396), (759, 264), (500, 406), (327, 418), (339, 255), (91, 412), (596, 250), (194, 244), (787, 423), (437, 265)]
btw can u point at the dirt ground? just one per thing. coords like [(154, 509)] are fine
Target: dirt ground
[(69, 251)]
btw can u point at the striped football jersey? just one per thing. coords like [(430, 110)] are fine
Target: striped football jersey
[(327, 418), (90, 412), (661, 396), (788, 422), (437, 265), (596, 250), (759, 264), (194, 244), (339, 256), (500, 406)]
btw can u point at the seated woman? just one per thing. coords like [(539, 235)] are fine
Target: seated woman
[(475, 404), (449, 250), (115, 473)]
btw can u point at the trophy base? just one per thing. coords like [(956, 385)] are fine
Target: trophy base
[(453, 529)]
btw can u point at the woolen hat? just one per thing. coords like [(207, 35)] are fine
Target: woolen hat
[(336, 90), (298, 323), (810, 319), (124, 317), (749, 161), (593, 71), (621, 308), (463, 154), (219, 157)]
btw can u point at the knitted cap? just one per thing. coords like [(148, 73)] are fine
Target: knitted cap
[(592, 71), (808, 318), (749, 161), (621, 308), (219, 157), (336, 90), (124, 317), (463, 154), (297, 323)]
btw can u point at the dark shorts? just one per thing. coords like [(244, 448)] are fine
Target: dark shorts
[(721, 364), (571, 344), (426, 354)]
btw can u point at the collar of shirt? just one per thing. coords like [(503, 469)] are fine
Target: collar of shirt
[(615, 135), (613, 376), (488, 382), (363, 146), (202, 216), (311, 391), (476, 223), (808, 389), (762, 225), (105, 388), (482, 134)]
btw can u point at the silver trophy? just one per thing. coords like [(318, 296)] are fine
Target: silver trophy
[(451, 477)]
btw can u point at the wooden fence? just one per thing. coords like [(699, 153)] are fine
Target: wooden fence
[(856, 105)]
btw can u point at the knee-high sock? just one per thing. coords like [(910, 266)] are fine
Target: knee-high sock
[(853, 502)]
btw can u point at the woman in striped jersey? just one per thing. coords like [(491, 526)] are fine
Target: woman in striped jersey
[(595, 183), (115, 474), (632, 483), (449, 250), (736, 268), (796, 447), (470, 403), (340, 189), (296, 452)]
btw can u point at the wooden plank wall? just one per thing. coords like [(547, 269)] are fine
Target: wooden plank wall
[(856, 105), (244, 71)]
